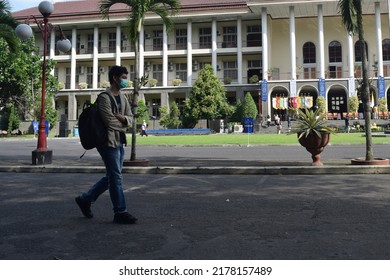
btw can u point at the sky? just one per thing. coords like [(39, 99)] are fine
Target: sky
[(17, 5)]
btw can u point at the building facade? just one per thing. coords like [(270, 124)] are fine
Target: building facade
[(298, 49)]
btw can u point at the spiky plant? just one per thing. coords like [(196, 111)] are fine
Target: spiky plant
[(309, 122)]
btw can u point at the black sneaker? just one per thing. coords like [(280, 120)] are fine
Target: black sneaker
[(124, 218), (85, 207)]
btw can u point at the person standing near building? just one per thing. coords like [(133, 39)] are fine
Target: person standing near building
[(117, 120), (347, 127), (143, 128)]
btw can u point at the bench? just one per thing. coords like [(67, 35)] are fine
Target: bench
[(179, 131)]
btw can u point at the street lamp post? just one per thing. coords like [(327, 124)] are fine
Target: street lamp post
[(42, 155)]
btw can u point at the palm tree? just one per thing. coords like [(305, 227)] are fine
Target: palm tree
[(138, 10), (351, 14), (7, 25)]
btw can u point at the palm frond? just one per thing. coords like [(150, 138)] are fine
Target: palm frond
[(347, 10)]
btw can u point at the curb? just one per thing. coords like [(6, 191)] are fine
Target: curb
[(220, 170)]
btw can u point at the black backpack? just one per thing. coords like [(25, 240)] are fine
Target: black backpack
[(92, 130)]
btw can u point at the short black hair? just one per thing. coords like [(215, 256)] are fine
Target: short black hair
[(116, 71)]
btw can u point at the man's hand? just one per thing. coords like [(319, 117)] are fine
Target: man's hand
[(121, 118)]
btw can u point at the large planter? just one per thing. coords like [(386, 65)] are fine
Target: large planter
[(315, 145)]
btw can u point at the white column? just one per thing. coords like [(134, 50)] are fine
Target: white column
[(73, 60), (239, 51), (321, 42), (118, 45), (165, 57), (52, 43), (264, 30), (351, 56), (141, 69), (379, 38), (214, 45), (72, 107), (293, 51), (95, 63), (52, 47), (189, 53)]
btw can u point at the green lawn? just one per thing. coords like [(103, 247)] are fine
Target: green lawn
[(254, 139), (237, 139)]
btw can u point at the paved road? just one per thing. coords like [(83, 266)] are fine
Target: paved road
[(198, 217), (66, 151)]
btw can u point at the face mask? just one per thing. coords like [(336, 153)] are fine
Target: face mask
[(124, 83)]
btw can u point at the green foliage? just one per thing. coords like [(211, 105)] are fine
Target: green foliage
[(207, 99), (176, 82), (7, 26), (21, 80), (249, 108), (310, 122), (143, 112), (13, 119), (170, 118), (382, 105), (321, 104), (237, 114), (353, 104), (153, 82), (254, 79)]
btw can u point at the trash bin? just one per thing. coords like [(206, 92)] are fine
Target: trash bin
[(47, 127), (76, 131), (248, 125)]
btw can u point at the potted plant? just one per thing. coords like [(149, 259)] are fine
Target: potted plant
[(313, 133), (105, 84), (176, 82), (83, 85), (153, 82), (254, 79), (269, 73), (227, 80), (61, 85)]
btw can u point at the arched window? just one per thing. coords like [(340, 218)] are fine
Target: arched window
[(309, 53), (386, 49), (335, 52), (358, 51)]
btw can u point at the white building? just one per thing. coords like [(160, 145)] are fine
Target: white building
[(296, 47)]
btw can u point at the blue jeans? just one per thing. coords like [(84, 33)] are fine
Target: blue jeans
[(113, 160)]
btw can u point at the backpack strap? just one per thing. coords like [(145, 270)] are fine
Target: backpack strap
[(111, 99)]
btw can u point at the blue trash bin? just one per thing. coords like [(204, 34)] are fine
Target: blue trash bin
[(248, 125), (75, 131), (47, 128)]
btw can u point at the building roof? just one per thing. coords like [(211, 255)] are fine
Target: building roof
[(91, 8), (275, 8)]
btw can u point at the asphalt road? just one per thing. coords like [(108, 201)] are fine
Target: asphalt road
[(196, 216), (199, 217), (67, 151)]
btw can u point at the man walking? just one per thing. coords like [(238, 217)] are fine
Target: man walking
[(116, 120)]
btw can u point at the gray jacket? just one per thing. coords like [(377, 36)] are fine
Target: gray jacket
[(114, 126)]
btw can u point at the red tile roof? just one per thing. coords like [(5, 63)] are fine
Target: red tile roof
[(75, 9)]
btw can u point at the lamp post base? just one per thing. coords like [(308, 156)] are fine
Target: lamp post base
[(42, 157)]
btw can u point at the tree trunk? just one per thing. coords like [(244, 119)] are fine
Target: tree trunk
[(134, 102), (365, 93)]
